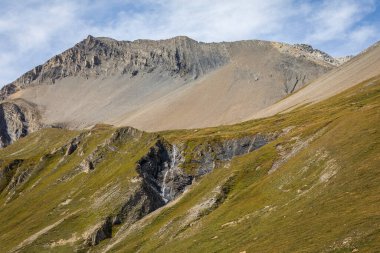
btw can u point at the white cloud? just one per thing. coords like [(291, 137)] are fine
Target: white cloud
[(363, 34), (32, 31), (227, 20), (335, 19), (203, 20)]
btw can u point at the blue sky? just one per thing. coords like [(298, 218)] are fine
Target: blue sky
[(32, 31)]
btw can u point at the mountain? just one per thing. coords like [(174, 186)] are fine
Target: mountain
[(167, 84), (360, 68), (299, 175), (302, 181)]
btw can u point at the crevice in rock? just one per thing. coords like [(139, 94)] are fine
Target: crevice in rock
[(160, 170), (7, 173), (103, 232), (72, 146)]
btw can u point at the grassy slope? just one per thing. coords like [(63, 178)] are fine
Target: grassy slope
[(324, 198), (38, 206)]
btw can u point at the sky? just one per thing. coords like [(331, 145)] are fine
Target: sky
[(32, 31)]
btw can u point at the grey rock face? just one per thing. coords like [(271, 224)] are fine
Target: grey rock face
[(15, 174), (162, 170), (103, 56), (212, 154), (159, 169), (16, 121), (317, 53), (18, 179), (72, 146), (143, 201), (103, 232), (163, 178)]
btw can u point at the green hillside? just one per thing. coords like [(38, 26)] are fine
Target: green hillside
[(304, 181)]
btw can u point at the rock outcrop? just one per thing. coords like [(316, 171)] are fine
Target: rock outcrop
[(8, 171), (307, 51), (344, 59), (106, 57), (209, 155), (318, 54), (17, 119), (163, 177), (103, 231)]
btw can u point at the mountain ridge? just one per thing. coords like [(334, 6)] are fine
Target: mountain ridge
[(156, 85), (49, 71), (87, 56), (358, 69)]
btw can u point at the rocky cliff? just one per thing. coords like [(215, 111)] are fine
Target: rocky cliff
[(17, 119), (106, 57)]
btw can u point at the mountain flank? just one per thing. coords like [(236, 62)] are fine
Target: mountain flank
[(360, 68), (278, 184), (167, 84), (302, 176)]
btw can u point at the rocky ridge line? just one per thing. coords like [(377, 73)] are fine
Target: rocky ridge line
[(179, 56), (305, 50)]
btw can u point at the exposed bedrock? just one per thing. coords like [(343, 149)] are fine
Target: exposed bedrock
[(163, 177), (17, 119), (107, 57)]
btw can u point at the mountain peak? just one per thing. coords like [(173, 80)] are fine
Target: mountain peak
[(179, 56), (95, 56), (90, 37), (182, 38)]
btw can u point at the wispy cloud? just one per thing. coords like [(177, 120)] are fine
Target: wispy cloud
[(32, 31), (335, 18), (340, 25)]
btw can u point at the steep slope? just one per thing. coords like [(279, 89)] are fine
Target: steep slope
[(272, 185), (258, 74), (362, 67), (140, 83)]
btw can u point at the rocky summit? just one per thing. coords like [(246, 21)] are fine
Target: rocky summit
[(180, 56), (94, 57)]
